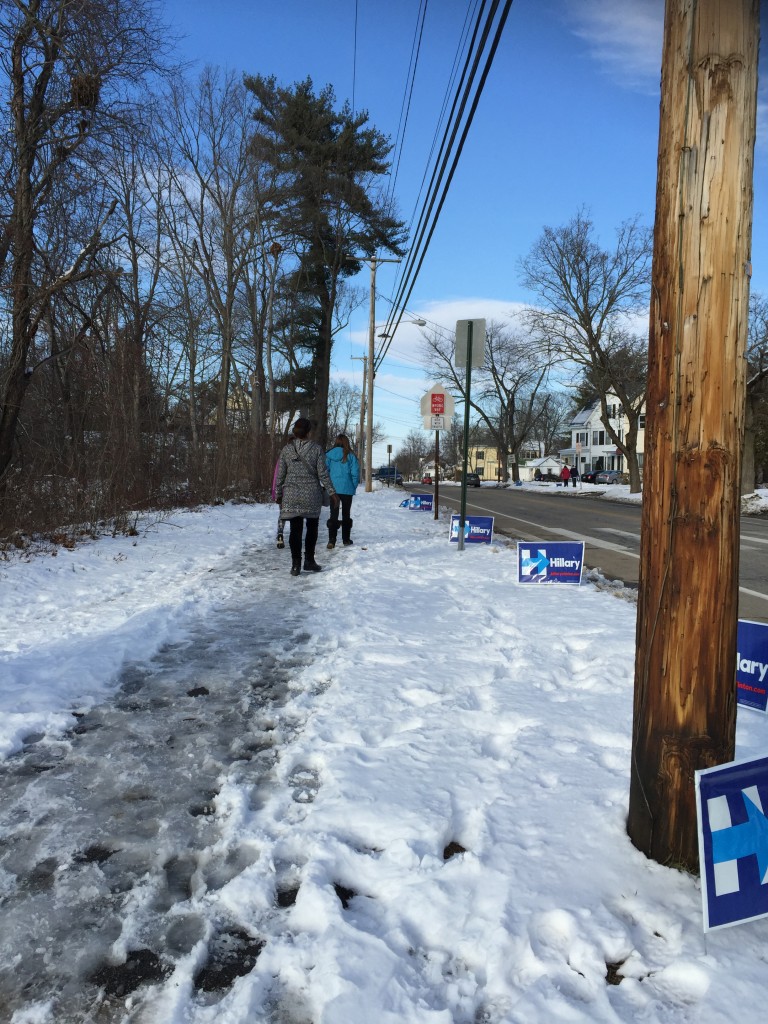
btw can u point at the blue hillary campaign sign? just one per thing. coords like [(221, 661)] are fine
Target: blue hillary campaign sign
[(752, 664), (550, 561), (418, 501), (477, 529), (733, 842)]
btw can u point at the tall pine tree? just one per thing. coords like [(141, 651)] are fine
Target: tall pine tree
[(329, 165)]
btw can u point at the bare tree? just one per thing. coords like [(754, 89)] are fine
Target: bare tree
[(70, 68), (343, 408), (412, 453), (210, 165), (756, 410), (588, 295), (505, 392), (553, 421)]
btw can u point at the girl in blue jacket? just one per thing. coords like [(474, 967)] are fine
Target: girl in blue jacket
[(344, 470)]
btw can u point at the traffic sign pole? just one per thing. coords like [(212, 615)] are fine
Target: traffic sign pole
[(437, 471), (463, 513)]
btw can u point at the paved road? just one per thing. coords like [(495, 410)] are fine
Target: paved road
[(610, 531)]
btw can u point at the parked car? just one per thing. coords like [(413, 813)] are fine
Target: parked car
[(590, 476), (608, 476), (473, 480), (426, 479), (388, 475)]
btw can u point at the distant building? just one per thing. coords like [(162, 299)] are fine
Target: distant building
[(483, 460), (591, 446), (546, 468)]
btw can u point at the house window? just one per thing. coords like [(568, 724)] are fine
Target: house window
[(480, 457), (641, 422), (582, 438), (598, 437)]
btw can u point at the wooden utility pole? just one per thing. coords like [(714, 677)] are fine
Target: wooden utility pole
[(685, 694)]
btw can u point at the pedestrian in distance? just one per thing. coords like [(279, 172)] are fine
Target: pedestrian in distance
[(344, 470), (301, 476), (565, 474), (575, 475)]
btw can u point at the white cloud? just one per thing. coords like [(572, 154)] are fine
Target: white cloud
[(624, 36)]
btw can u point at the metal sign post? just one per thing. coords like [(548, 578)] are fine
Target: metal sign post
[(437, 407), (463, 512), (469, 352)]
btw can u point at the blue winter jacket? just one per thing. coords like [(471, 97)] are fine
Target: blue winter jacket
[(345, 476)]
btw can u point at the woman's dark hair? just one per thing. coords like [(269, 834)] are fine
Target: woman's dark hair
[(302, 427)]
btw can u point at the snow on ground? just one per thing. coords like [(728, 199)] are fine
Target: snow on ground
[(440, 839)]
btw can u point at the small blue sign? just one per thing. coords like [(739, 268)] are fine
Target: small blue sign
[(550, 561), (733, 842), (752, 664), (477, 529), (423, 502)]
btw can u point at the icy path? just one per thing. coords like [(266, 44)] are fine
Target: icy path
[(113, 845)]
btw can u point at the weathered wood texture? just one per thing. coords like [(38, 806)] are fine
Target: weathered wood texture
[(685, 711)]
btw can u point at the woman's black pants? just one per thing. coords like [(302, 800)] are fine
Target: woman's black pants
[(294, 538), (346, 520)]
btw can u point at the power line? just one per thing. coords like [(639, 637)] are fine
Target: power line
[(428, 220), (406, 398), (354, 60), (452, 77), (408, 94)]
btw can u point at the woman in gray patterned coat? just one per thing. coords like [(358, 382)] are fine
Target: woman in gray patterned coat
[(301, 476)]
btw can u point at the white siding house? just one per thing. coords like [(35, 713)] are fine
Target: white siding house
[(591, 447)]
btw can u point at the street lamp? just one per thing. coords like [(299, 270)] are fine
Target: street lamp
[(371, 374)]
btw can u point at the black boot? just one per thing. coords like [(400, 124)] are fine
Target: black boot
[(310, 565), (346, 530), (296, 567), (333, 529)]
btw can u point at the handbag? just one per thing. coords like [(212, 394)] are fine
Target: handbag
[(326, 499)]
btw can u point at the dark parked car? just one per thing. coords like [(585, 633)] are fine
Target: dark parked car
[(590, 476), (473, 480), (388, 475), (608, 476)]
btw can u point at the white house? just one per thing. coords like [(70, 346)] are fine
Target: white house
[(549, 466), (591, 446)]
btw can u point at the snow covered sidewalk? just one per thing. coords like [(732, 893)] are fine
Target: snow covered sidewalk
[(438, 834)]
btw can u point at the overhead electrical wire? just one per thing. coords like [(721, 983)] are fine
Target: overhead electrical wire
[(407, 96), (442, 173), (445, 146), (438, 124), (433, 205), (354, 60)]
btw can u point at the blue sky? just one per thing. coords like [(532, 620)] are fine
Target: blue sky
[(568, 119)]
